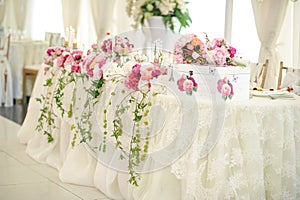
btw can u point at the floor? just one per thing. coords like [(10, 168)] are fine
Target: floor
[(23, 178)]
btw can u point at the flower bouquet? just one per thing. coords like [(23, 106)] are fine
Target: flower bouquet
[(168, 9)]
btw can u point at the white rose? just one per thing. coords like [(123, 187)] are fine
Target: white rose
[(149, 7)]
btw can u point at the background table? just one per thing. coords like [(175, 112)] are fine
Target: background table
[(257, 155), (24, 52)]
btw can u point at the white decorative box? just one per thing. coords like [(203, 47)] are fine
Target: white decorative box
[(230, 83)]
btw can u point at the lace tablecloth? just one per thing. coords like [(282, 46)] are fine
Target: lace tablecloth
[(24, 52), (256, 154)]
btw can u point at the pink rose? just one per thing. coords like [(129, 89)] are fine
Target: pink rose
[(220, 55), (188, 85), (146, 74), (180, 82), (226, 90), (221, 82)]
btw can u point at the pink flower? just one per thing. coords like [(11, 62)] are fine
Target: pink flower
[(146, 75), (220, 54), (100, 73), (226, 90), (50, 51), (132, 81), (95, 46), (232, 51), (188, 85), (221, 82), (190, 46), (60, 61), (156, 72), (89, 72), (180, 82), (136, 68), (194, 82), (75, 68), (46, 69)]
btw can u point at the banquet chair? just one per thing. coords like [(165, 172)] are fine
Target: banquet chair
[(53, 39), (258, 74), (30, 72), (6, 82), (291, 76)]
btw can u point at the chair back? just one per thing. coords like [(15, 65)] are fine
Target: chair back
[(287, 75), (4, 45), (53, 39), (258, 74)]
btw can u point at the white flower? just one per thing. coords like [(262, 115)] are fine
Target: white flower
[(150, 7)]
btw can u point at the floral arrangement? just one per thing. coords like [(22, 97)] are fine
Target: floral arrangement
[(142, 10), (225, 88), (219, 52), (187, 84), (145, 72), (189, 49)]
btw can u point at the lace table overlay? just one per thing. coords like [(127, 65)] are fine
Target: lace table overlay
[(255, 154)]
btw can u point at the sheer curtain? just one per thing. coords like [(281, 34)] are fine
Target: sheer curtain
[(269, 16), (2, 12), (296, 34), (102, 12), (71, 10), (21, 13)]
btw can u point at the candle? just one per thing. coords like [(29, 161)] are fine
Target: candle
[(74, 44)]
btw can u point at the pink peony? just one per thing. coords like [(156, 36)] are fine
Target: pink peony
[(60, 61), (76, 68)]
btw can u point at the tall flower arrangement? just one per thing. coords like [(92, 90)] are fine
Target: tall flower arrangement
[(141, 10)]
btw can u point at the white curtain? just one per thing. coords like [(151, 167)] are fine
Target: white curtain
[(71, 13), (102, 11), (269, 16), (20, 12), (296, 35), (2, 12)]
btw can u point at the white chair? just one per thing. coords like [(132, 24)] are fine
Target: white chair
[(290, 79), (53, 39), (6, 83)]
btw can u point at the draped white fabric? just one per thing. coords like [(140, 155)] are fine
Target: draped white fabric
[(6, 84), (269, 16), (71, 13), (102, 12), (256, 156), (2, 12), (21, 12), (296, 35)]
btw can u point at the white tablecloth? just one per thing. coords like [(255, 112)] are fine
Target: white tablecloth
[(257, 154), (24, 52)]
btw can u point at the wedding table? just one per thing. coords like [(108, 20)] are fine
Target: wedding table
[(255, 155), (22, 53)]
